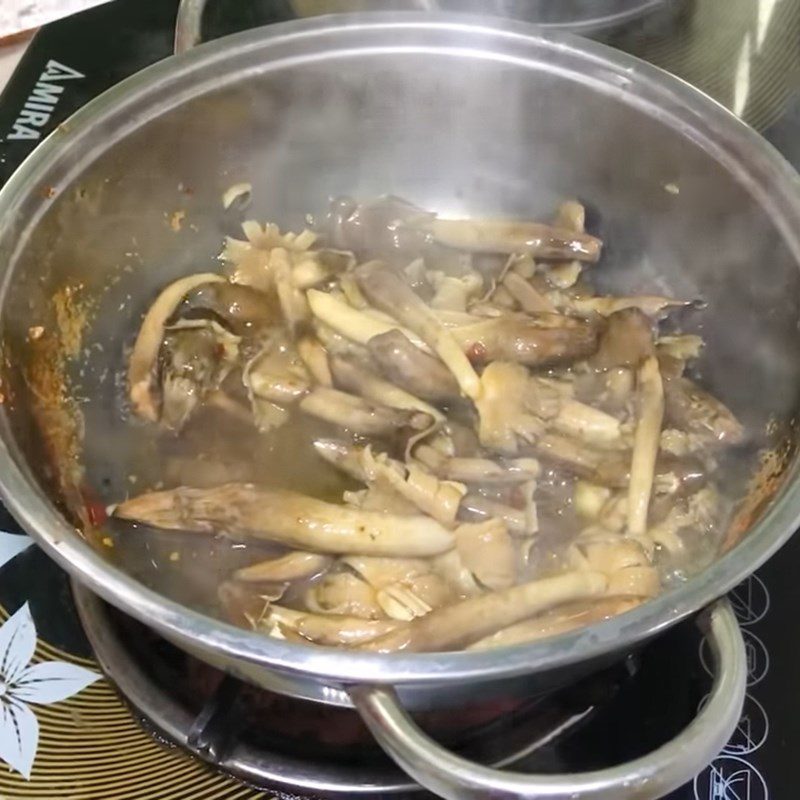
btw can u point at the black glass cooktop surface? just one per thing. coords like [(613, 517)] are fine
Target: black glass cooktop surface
[(89, 744)]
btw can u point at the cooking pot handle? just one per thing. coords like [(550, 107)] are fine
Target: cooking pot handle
[(646, 778), (187, 25)]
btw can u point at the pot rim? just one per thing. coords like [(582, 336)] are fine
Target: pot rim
[(754, 162)]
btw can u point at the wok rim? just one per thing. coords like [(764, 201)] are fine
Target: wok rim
[(768, 176)]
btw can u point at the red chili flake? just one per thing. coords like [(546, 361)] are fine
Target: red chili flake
[(48, 192), (95, 510)]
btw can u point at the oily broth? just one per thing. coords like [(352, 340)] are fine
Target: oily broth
[(215, 447)]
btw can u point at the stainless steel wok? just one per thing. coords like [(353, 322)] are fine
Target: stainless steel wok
[(456, 114)]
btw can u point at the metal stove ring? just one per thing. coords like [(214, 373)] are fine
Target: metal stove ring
[(257, 766)]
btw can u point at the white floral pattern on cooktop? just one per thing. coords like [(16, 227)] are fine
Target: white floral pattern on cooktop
[(12, 544), (22, 683)]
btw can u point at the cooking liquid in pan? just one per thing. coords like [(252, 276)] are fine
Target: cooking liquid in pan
[(579, 524)]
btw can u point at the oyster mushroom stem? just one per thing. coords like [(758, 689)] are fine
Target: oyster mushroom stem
[(292, 566), (542, 340), (355, 378), (315, 357), (327, 629), (477, 470), (588, 424), (699, 413), (512, 236), (651, 305), (359, 416), (404, 364), (439, 499), (142, 364), (461, 624), (354, 324), (450, 568), (293, 302), (529, 299), (342, 455), (244, 511), (645, 444), (559, 620), (478, 507), (386, 290)]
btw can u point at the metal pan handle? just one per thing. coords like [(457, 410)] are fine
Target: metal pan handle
[(647, 778)]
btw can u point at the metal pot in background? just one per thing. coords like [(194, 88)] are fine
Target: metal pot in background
[(743, 53), (507, 119), (596, 18)]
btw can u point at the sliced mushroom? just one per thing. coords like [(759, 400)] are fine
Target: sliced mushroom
[(542, 340), (453, 293), (488, 552), (196, 357), (568, 617), (406, 365), (392, 295), (318, 266), (589, 425), (626, 340), (142, 364), (512, 407), (358, 325), (530, 299), (251, 260), (440, 499), (477, 470), (382, 228), (381, 498), (358, 416), (645, 444), (700, 414), (651, 305), (682, 347), (242, 309), (342, 455), (354, 378), (451, 569), (345, 594), (478, 507), (458, 625), (277, 373), (382, 572), (325, 629), (292, 300), (295, 520), (315, 357), (511, 236), (405, 588), (566, 452), (611, 391), (293, 566)]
